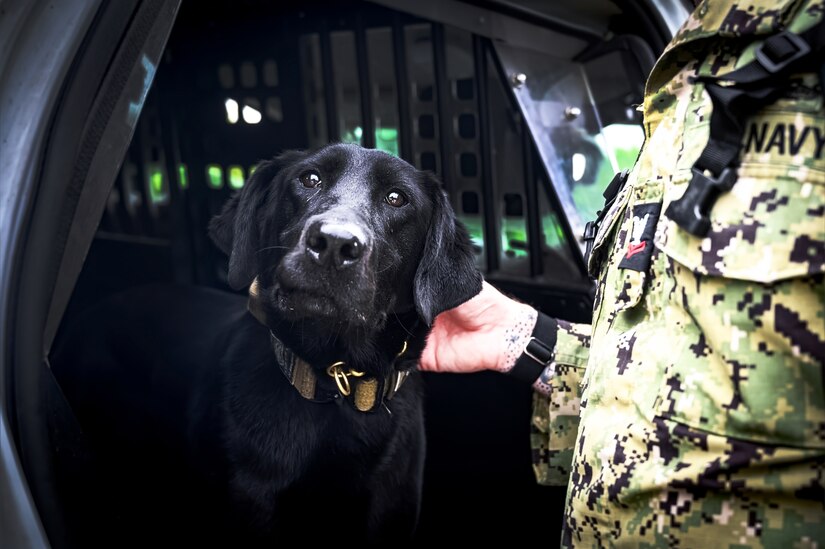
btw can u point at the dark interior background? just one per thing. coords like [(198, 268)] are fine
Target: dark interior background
[(243, 80)]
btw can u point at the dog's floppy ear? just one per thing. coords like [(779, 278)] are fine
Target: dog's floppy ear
[(446, 275), (236, 230)]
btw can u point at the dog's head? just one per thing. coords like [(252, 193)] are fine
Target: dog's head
[(348, 235)]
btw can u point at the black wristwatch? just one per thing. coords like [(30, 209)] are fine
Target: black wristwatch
[(539, 351)]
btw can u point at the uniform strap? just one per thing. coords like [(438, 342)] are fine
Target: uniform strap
[(736, 95)]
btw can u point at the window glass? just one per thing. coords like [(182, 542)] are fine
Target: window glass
[(562, 109), (558, 264), (514, 226)]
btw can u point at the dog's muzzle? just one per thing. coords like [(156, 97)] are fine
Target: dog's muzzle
[(335, 243)]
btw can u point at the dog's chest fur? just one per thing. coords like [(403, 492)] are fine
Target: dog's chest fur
[(288, 455)]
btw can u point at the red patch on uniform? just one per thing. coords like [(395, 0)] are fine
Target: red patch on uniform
[(633, 249)]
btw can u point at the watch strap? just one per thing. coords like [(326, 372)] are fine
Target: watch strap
[(538, 353)]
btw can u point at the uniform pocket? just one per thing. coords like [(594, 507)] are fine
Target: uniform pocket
[(771, 225), (747, 303)]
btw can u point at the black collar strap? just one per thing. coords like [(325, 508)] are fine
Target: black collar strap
[(365, 393)]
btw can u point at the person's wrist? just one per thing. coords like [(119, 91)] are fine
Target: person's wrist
[(534, 364), (520, 324), (542, 383)]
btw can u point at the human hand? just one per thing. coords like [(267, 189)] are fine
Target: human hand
[(488, 332)]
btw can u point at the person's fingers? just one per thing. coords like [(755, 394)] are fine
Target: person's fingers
[(427, 362), (471, 337)]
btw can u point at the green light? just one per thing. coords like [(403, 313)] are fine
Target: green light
[(386, 139), (553, 232), (235, 177), (352, 136), (214, 176), (252, 170), (156, 187), (183, 176), (157, 181), (514, 237), (474, 226)]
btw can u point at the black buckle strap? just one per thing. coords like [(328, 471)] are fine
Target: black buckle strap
[(777, 52), (589, 236), (539, 351), (691, 210), (612, 190), (736, 95)]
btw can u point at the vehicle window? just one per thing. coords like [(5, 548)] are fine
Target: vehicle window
[(581, 149)]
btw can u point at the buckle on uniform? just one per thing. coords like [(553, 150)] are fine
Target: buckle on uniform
[(690, 212), (590, 230), (780, 50)]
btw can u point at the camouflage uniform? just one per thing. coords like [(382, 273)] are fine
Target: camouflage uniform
[(694, 414)]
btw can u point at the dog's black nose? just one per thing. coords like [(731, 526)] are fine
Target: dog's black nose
[(335, 243)]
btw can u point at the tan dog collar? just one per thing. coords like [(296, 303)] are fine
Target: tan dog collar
[(365, 393)]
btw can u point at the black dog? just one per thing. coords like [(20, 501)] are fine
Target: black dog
[(300, 418)]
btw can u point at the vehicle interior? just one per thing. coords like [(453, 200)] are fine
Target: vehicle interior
[(524, 110)]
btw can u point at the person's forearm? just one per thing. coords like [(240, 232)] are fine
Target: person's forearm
[(536, 344), (556, 404)]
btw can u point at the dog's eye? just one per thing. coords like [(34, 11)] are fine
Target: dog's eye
[(396, 198), (310, 179)]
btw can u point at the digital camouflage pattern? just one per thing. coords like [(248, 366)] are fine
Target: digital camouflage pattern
[(554, 434), (701, 393)]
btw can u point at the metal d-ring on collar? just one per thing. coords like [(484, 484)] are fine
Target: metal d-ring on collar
[(341, 377)]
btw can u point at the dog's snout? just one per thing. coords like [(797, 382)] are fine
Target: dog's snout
[(338, 244)]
